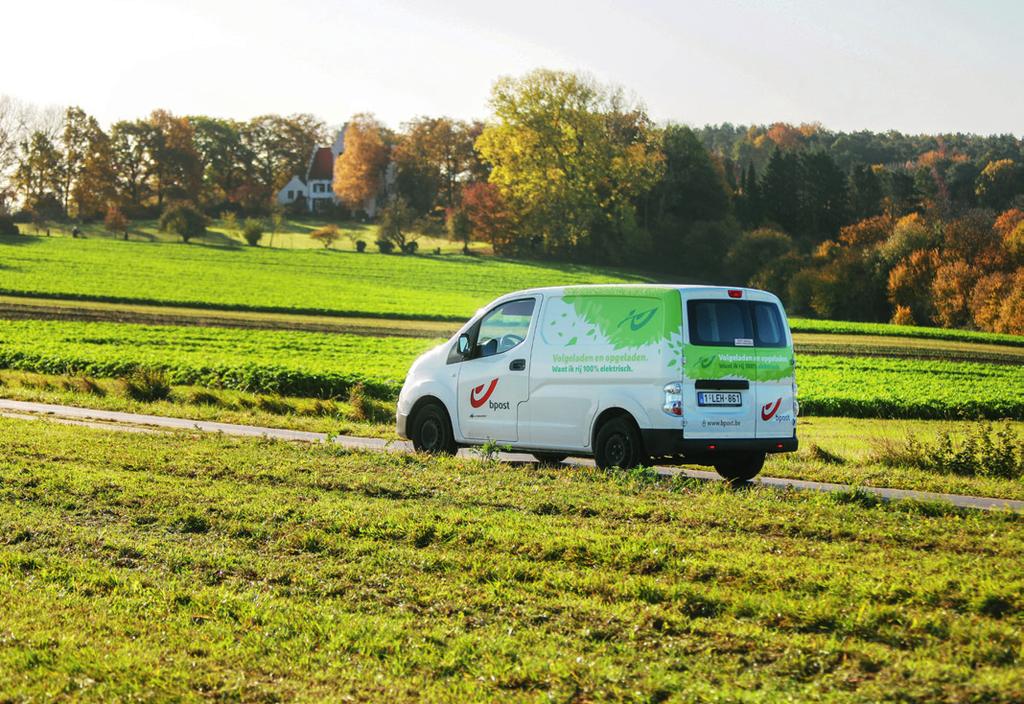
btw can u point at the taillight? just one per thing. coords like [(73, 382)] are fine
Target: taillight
[(735, 293), (673, 399)]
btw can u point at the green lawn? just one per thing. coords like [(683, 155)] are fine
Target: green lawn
[(294, 234), (196, 568), (443, 287)]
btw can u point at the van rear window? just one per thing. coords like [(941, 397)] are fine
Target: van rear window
[(728, 323)]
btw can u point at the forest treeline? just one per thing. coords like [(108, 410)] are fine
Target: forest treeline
[(925, 229)]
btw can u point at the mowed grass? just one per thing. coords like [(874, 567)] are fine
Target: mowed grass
[(179, 567), (294, 234), (445, 287)]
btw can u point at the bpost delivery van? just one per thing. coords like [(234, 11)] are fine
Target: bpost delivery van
[(625, 373)]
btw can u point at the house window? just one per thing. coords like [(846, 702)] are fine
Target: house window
[(291, 195)]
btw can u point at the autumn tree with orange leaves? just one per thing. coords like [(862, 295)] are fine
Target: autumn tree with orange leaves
[(359, 170)]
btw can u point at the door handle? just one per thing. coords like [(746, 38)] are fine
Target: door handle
[(517, 365)]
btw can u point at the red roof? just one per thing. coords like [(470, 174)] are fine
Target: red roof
[(322, 167)]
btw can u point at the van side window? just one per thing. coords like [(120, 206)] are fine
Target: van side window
[(504, 327), (768, 331), (718, 323)]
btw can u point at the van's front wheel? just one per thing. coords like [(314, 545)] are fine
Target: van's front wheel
[(432, 431), (741, 467), (618, 444)]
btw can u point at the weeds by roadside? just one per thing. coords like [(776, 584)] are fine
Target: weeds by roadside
[(986, 451)]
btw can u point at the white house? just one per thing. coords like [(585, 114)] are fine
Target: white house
[(317, 186)]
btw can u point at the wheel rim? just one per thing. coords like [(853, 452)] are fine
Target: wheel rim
[(430, 434), (617, 449)]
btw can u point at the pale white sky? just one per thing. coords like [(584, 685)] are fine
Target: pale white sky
[(912, 65)]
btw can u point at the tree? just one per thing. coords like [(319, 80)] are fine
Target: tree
[(395, 220), (433, 156), (690, 189), (222, 156), (358, 171), (998, 183), (865, 192), (951, 292), (570, 157), (910, 283), (37, 177), (276, 148), (130, 162), (780, 190), (823, 196), (460, 228), (175, 169), (755, 251), (488, 215), (183, 219), (115, 221), (326, 235)]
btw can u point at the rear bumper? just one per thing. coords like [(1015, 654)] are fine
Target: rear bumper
[(401, 421), (671, 443)]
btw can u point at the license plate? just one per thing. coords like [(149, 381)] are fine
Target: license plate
[(719, 398)]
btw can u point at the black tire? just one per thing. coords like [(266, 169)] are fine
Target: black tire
[(432, 431), (741, 467), (618, 444), (550, 458)]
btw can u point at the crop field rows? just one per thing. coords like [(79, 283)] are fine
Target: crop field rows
[(327, 365)]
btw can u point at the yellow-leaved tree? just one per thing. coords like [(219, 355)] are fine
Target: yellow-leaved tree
[(359, 169)]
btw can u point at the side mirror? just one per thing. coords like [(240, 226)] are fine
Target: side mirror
[(463, 345)]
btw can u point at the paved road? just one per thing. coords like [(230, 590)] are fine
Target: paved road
[(137, 422)]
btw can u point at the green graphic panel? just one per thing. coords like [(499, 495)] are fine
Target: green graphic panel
[(754, 364), (628, 316)]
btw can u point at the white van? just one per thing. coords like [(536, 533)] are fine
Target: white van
[(624, 373)]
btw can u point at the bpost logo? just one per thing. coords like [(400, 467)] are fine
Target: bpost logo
[(638, 320), (770, 409), (478, 397)]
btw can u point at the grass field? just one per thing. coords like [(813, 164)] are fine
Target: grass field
[(445, 287), (294, 234), (177, 567)]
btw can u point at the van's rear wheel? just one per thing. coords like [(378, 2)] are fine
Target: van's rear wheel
[(432, 431), (550, 458), (741, 467), (618, 444)]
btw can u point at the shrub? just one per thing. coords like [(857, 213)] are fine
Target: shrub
[(147, 385), (326, 235), (183, 219), (360, 246), (7, 226), (410, 247), (252, 231), (385, 246)]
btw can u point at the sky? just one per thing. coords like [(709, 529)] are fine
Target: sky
[(918, 66)]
